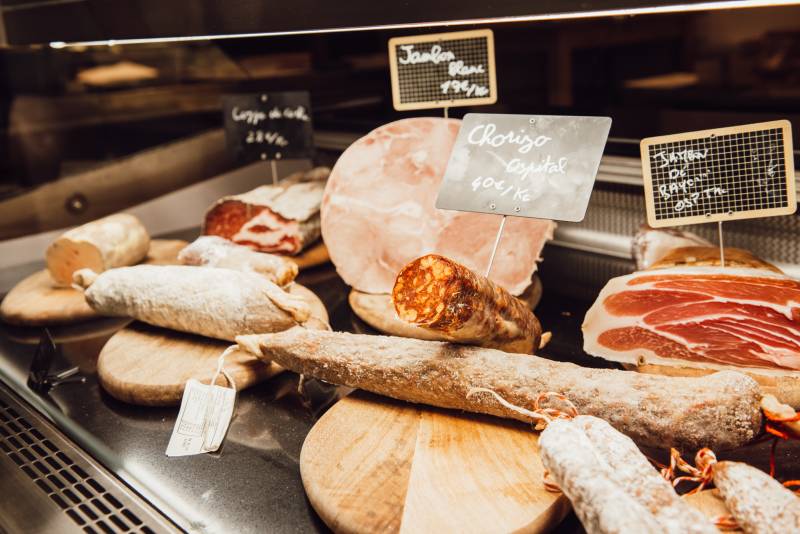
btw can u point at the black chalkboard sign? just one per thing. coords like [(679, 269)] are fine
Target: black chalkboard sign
[(443, 70), (269, 125), (741, 172)]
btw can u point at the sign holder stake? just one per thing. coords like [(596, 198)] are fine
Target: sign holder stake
[(274, 167), (496, 243), (446, 114), (721, 247)]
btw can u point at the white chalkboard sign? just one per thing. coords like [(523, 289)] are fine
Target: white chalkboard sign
[(443, 70), (269, 126), (741, 172), (539, 166)]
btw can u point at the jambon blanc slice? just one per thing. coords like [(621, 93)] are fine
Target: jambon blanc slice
[(378, 212), (701, 317)]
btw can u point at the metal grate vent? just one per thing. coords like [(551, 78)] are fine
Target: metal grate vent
[(87, 502)]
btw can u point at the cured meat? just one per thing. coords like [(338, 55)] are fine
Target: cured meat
[(759, 503), (442, 296), (209, 301), (281, 218), (652, 244), (113, 241), (721, 410), (703, 317), (612, 486), (214, 251), (378, 212)]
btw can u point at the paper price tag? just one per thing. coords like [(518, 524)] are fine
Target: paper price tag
[(443, 70), (724, 174), (539, 166), (203, 419), (269, 126)]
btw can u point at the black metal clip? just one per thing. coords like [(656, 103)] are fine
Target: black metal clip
[(39, 377)]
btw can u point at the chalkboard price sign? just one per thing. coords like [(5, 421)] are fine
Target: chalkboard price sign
[(537, 166), (268, 126), (741, 172), (443, 70)]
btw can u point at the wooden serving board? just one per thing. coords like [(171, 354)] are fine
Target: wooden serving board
[(35, 301), (312, 257), (372, 464), (149, 366), (709, 503), (785, 388)]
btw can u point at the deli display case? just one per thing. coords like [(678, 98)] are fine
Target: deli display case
[(237, 193)]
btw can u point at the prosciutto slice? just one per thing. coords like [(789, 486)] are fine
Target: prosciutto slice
[(699, 316), (378, 212)]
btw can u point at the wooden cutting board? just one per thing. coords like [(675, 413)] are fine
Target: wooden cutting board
[(372, 464), (709, 503), (36, 302), (312, 257), (149, 366)]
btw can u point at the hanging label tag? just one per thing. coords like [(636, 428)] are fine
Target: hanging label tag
[(443, 70), (203, 419), (740, 172), (269, 126), (539, 166)]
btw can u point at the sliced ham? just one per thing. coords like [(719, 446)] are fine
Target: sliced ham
[(281, 218), (699, 316), (378, 212)]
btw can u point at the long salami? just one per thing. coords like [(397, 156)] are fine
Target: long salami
[(637, 477), (213, 302), (214, 251), (759, 503), (443, 296), (721, 410), (601, 504), (112, 241)]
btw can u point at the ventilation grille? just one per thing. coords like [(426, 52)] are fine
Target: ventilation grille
[(79, 495)]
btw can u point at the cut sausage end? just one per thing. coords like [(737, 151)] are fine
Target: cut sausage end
[(65, 256), (423, 290)]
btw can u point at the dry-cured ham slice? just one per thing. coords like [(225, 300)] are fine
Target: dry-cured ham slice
[(378, 212), (281, 218), (706, 317)]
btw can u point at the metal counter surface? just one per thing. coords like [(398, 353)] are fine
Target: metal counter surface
[(253, 483)]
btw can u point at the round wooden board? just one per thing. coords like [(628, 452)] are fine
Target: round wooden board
[(709, 503), (785, 388), (36, 302), (372, 464), (312, 257), (377, 310), (149, 366)]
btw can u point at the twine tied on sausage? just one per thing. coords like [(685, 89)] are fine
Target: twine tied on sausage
[(540, 415)]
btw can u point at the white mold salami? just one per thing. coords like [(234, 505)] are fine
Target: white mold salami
[(113, 241), (209, 301), (214, 251)]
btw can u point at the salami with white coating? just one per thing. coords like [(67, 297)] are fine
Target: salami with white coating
[(720, 410), (209, 301)]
